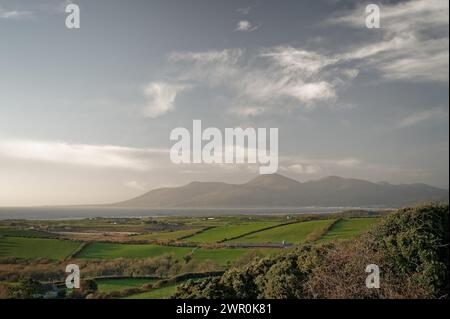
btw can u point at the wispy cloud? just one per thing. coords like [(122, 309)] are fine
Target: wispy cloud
[(161, 97), (414, 43), (411, 46), (246, 26), (423, 116), (270, 78), (14, 14), (100, 156)]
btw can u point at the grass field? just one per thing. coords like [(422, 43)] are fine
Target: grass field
[(158, 293), (166, 235), (17, 232), (223, 232), (30, 248), (225, 256), (110, 285), (348, 228), (111, 251), (222, 256), (293, 233)]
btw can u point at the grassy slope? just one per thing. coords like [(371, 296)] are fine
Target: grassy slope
[(222, 232), (348, 228), (292, 233), (29, 248)]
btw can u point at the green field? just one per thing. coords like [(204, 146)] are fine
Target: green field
[(166, 235), (225, 256), (157, 293), (292, 233), (110, 285), (348, 228), (220, 233), (17, 232), (111, 251), (222, 256), (30, 248)]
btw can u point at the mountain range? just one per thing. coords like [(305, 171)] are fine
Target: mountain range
[(278, 191)]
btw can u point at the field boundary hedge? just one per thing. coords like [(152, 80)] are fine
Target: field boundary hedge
[(259, 230), (196, 233), (316, 235), (77, 250)]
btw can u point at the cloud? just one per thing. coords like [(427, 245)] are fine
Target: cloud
[(348, 162), (100, 156), (227, 56), (298, 60), (161, 98), (263, 81), (303, 169), (245, 26), (14, 14), (136, 185), (412, 44), (423, 116), (318, 166)]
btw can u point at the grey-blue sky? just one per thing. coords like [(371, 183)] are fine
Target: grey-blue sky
[(348, 100)]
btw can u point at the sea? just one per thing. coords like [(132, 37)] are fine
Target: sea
[(80, 212)]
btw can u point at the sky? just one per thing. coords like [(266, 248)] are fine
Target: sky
[(86, 114)]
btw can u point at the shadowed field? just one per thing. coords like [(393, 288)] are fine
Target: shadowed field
[(30, 248)]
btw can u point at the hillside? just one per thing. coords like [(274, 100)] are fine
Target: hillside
[(279, 191)]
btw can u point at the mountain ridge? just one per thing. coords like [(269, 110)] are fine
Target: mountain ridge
[(270, 191)]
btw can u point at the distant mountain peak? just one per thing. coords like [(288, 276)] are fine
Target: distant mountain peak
[(277, 180)]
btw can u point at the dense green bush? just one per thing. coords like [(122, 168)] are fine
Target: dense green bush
[(410, 246)]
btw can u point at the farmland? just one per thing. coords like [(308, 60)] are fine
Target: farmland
[(17, 232), (221, 256), (348, 228), (123, 255), (167, 235), (222, 233), (292, 233), (111, 251), (30, 248)]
